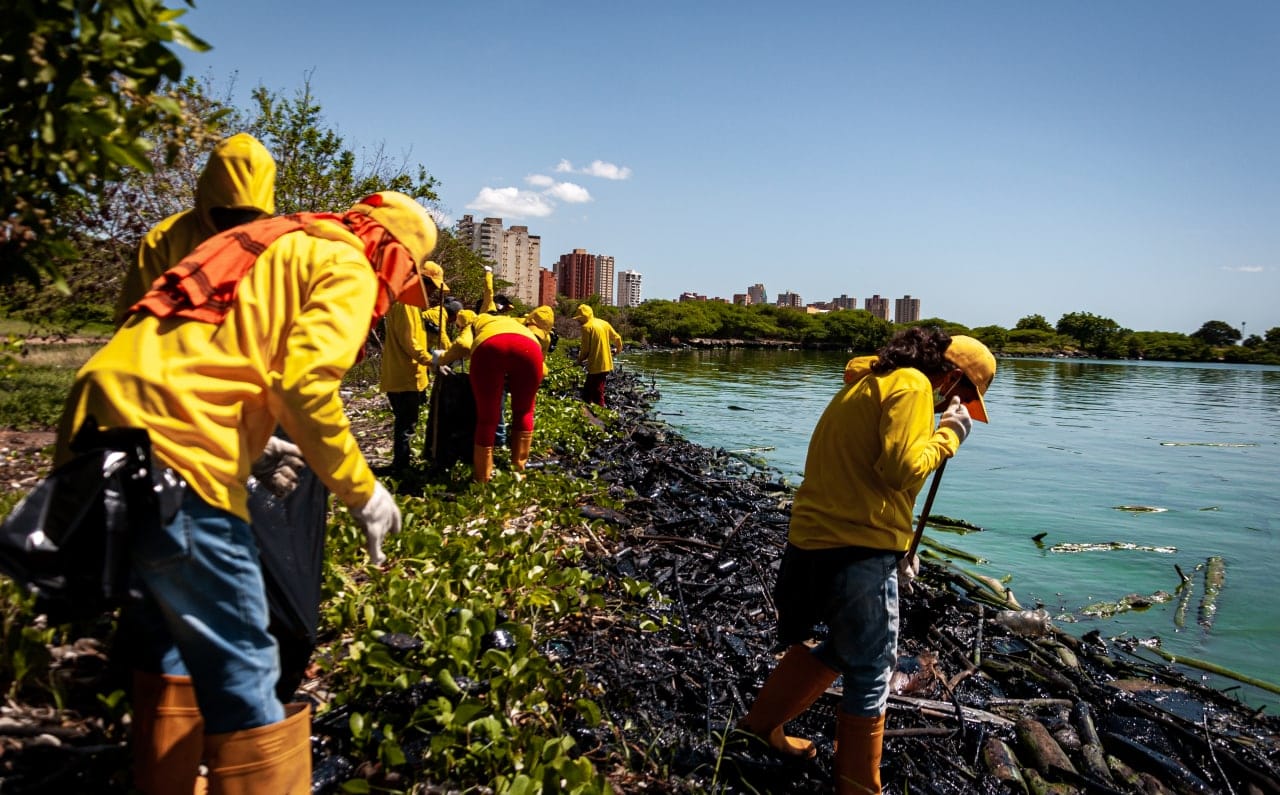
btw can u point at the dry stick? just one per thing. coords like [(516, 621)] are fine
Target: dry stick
[(734, 532), (1208, 740), (1213, 668)]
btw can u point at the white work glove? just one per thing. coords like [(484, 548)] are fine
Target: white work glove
[(278, 466), (379, 517), (908, 568), (488, 269), (957, 418)]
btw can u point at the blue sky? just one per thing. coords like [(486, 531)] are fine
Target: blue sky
[(994, 159)]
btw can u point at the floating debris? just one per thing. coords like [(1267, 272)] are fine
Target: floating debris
[(1208, 444), (1126, 603), (956, 525), (1215, 574), (1139, 508), (1111, 546)]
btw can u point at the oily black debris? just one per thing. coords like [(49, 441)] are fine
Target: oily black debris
[(985, 699)]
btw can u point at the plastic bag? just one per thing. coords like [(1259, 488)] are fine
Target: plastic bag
[(68, 539)]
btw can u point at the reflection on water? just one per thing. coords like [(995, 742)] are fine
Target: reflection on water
[(1069, 441)]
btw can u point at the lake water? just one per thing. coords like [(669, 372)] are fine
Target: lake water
[(1070, 442)]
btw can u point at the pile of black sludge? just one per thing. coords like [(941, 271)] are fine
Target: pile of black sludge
[(984, 699)]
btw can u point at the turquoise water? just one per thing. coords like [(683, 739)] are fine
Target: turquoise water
[(1069, 443)]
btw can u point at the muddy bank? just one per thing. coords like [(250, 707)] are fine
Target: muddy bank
[(985, 699)]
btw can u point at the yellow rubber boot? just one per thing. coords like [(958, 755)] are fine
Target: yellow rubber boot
[(482, 463), (168, 735), (274, 759), (520, 444), (795, 684), (859, 745)]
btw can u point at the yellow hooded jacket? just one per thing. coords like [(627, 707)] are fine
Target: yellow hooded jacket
[(211, 395), (405, 357), (869, 455), (240, 174), (481, 329), (599, 341), (540, 321)]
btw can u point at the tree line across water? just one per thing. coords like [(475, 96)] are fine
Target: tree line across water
[(1075, 333)]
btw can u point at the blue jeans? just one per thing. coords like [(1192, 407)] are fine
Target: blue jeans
[(862, 616), (204, 615)]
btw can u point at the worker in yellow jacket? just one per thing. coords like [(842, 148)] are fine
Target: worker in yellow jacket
[(255, 328), (851, 526), (504, 352), (599, 344), (237, 185), (406, 359)]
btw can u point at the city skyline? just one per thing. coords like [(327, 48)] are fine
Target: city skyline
[(1003, 159)]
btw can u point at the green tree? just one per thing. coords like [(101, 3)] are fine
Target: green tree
[(79, 93), (948, 326), (1217, 333), (857, 329), (1034, 323), (1097, 335), (315, 170), (994, 337)]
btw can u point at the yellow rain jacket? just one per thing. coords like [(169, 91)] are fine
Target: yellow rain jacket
[(481, 329), (857, 368), (240, 174), (870, 453), (540, 321), (211, 395), (599, 341), (405, 356)]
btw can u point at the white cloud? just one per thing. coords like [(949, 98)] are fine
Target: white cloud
[(599, 168), (569, 193), (540, 180), (1243, 268), (511, 203)]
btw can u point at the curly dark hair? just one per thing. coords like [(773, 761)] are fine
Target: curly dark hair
[(920, 347)]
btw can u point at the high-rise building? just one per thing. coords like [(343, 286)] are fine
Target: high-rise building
[(628, 288), (790, 299), (576, 275), (906, 309), (844, 302), (521, 253), (877, 306), (757, 295), (515, 254), (604, 278), (546, 287)]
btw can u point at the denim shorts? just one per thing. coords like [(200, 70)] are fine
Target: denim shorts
[(861, 613), (204, 614)]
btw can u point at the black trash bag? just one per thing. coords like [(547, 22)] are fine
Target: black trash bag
[(291, 536), (68, 539), (451, 421)]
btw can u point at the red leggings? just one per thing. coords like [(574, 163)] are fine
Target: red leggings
[(513, 361)]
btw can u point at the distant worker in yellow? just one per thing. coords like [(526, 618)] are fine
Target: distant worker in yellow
[(600, 342), (406, 361), (506, 354), (255, 328), (237, 185)]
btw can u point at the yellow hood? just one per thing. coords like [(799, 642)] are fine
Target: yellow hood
[(584, 314), (240, 174), (544, 317)]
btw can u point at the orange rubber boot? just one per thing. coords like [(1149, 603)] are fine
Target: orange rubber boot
[(274, 759), (795, 684), (168, 735), (481, 463), (859, 744), (520, 444)]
